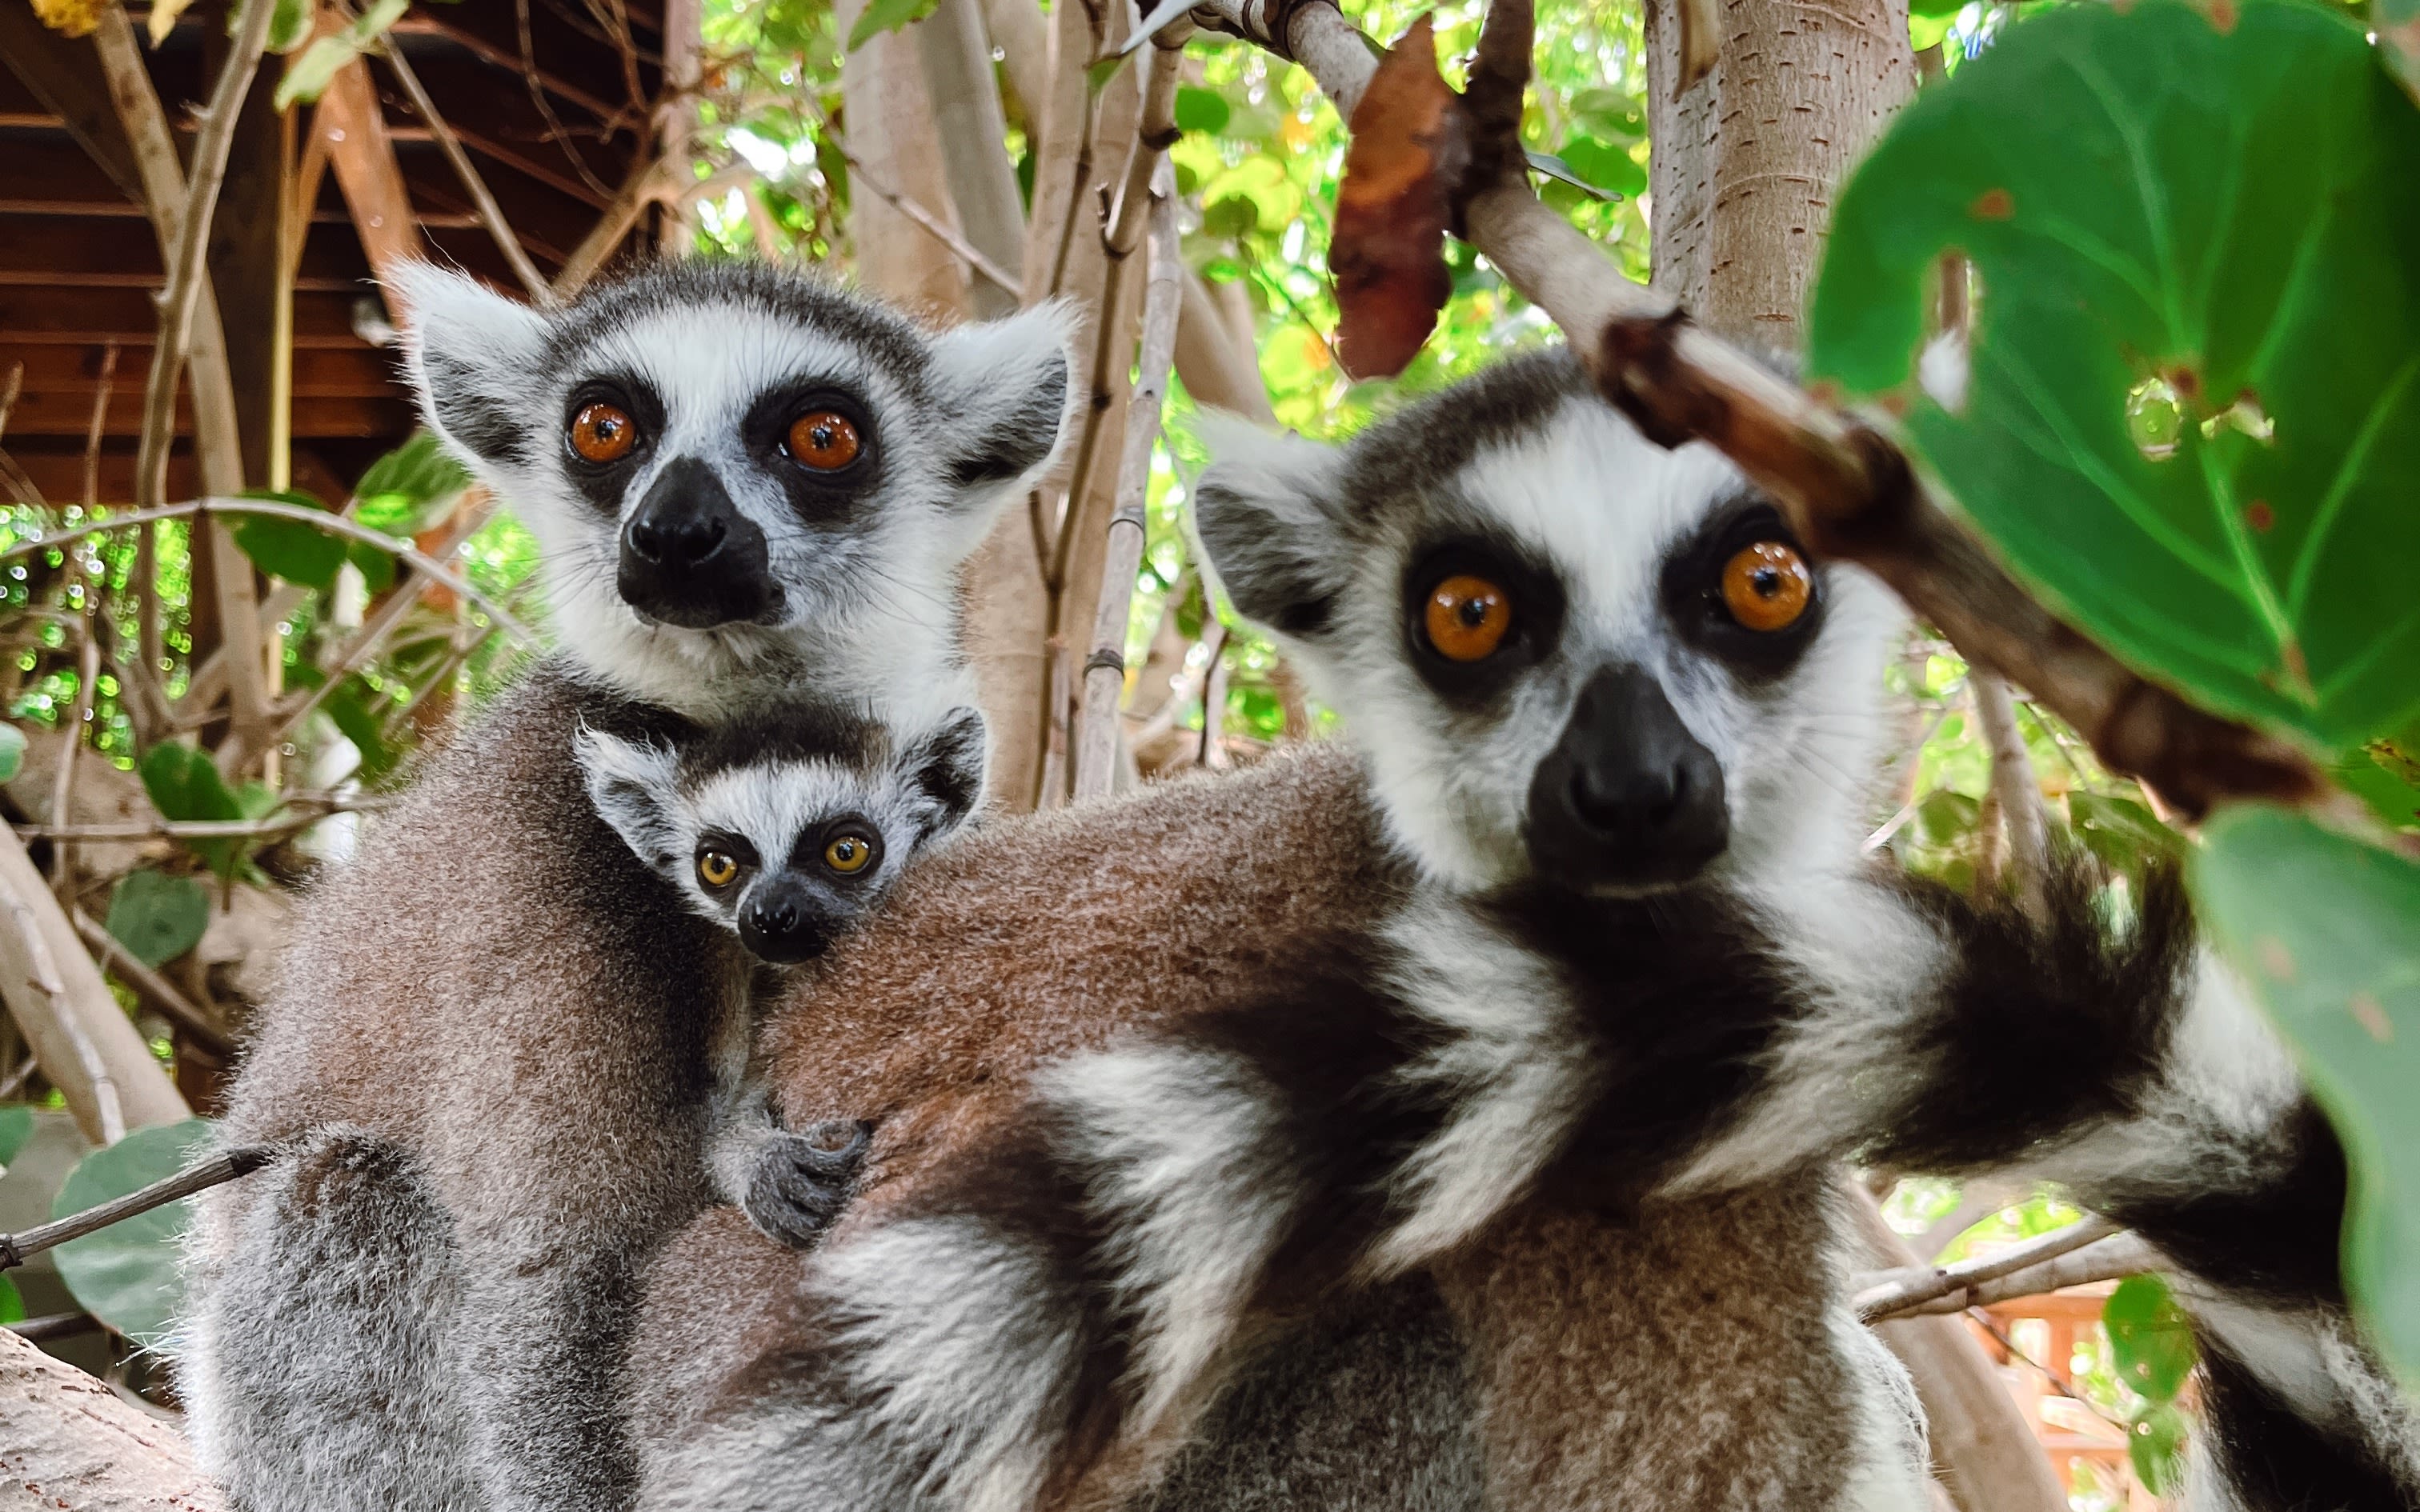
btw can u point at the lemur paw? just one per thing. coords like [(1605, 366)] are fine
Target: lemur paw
[(802, 1180)]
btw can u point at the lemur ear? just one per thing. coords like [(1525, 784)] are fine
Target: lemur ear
[(947, 764), (630, 782), (1005, 384), (1268, 523), (472, 355)]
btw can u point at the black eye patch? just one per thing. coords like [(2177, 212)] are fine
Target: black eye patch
[(736, 846), (604, 484), (828, 497), (1535, 596), (1692, 592)]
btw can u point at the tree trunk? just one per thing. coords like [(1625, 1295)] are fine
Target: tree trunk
[(1748, 157), (892, 133), (956, 52), (69, 1441)]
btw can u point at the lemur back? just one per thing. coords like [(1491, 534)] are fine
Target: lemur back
[(491, 1060), (1582, 1065)]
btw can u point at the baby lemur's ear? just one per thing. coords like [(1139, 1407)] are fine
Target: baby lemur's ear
[(1004, 386), (472, 355), (946, 764), (631, 785), (1271, 522)]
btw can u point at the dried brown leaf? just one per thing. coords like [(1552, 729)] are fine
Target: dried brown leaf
[(1408, 150)]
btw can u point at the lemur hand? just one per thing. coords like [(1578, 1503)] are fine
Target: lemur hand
[(802, 1180)]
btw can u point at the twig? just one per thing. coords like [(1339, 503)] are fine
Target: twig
[(55, 1326), (492, 215), (18, 1078), (933, 225), (2015, 785), (1096, 743), (334, 524), (16, 1249), (63, 782), (555, 129), (93, 427), (1896, 1292), (1213, 697), (8, 391), (154, 989), (1848, 490), (201, 828)]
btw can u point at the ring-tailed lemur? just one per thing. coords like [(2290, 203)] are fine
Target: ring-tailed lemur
[(491, 1053), (1541, 1034), (787, 824)]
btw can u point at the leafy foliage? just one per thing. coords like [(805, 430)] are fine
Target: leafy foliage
[(157, 917), (16, 1127), (127, 1274), (2328, 931), (2207, 231), (2152, 1342)]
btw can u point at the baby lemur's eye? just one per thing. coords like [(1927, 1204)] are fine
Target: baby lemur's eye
[(716, 869), (824, 440), (1468, 617), (1767, 586), (603, 432), (848, 854)]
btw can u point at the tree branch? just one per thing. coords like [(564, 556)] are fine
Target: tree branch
[(155, 989), (1096, 743), (1897, 1294), (1848, 490), (2015, 787), (16, 1249), (492, 215), (69, 1435)]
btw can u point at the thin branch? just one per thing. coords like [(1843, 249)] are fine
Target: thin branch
[(2015, 786), (1847, 490), (1895, 1293), (933, 225), (334, 524), (315, 808), (492, 215), (8, 391), (96, 424), (645, 184), (16, 1249), (71, 732), (1096, 742), (555, 129), (156, 990), (108, 1118)]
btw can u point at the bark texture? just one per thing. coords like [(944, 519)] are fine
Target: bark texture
[(891, 131), (67, 1441), (1748, 158)]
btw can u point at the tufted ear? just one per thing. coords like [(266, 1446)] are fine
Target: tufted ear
[(631, 783), (472, 355), (1269, 523), (947, 764), (1005, 387)]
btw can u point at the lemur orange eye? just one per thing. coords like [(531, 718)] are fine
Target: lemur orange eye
[(1767, 586), (602, 432), (848, 854), (716, 869), (824, 440), (1468, 617)]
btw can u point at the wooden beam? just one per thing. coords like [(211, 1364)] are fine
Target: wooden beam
[(353, 125), (68, 413), (319, 372), (465, 31), (95, 252), (90, 317), (248, 273), (65, 75)]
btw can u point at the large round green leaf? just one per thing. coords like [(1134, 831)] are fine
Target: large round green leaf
[(2327, 930), (2193, 415), (126, 1275), (158, 917)]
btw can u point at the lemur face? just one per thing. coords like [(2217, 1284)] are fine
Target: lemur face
[(787, 825), (724, 461), (1569, 654)]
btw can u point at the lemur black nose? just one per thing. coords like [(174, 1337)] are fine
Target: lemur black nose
[(779, 923), (1628, 797), (689, 557)]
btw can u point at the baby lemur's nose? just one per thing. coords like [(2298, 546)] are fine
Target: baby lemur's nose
[(779, 923)]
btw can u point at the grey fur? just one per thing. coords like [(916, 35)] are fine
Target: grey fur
[(495, 1001)]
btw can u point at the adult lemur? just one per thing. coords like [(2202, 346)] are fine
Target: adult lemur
[(1506, 1063), (489, 1056)]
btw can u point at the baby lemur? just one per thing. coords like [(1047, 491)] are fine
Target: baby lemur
[(787, 824), (491, 1056), (1508, 1060)]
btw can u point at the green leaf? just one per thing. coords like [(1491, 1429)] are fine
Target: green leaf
[(12, 751), (2150, 1339), (2327, 931), (1561, 172), (289, 25), (293, 550), (375, 566), (2165, 215), (1606, 166), (353, 707), (1610, 114), (12, 1307), (16, 1127), (1200, 110), (127, 1274), (183, 784), (881, 16), (1097, 77), (2155, 1441), (1935, 9), (308, 76), (158, 917), (2122, 833), (400, 491)]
